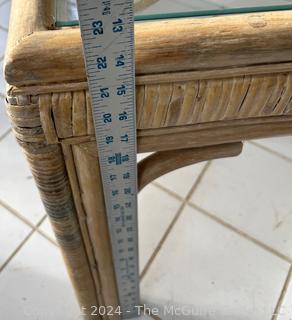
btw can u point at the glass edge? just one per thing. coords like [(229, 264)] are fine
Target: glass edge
[(211, 12), (188, 14), (72, 23)]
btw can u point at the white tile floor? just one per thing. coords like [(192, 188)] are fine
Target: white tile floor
[(224, 254)]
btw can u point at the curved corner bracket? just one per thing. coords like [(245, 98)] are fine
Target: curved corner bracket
[(162, 162)]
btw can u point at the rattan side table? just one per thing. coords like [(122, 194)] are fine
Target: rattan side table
[(203, 86)]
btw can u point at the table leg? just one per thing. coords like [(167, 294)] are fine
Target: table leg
[(48, 168)]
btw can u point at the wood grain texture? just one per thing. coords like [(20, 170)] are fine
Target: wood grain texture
[(201, 101), (89, 181), (207, 43), (162, 78), (212, 133), (48, 168), (26, 18), (79, 122), (86, 185), (82, 219), (79, 220), (240, 42), (176, 104), (162, 162), (62, 113), (162, 137), (204, 134), (45, 112), (203, 84)]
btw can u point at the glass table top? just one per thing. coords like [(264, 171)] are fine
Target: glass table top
[(165, 9)]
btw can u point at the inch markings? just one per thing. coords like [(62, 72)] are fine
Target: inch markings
[(107, 29)]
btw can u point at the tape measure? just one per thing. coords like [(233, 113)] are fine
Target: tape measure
[(107, 30)]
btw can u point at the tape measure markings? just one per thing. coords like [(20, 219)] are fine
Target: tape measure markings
[(108, 38)]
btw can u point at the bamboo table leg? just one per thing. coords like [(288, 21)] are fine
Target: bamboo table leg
[(67, 175), (48, 168)]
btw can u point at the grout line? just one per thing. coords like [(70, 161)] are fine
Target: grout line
[(5, 134), (240, 232), (26, 221), (275, 153), (288, 279), (20, 245), (169, 192), (174, 220), (16, 214), (226, 224), (2, 267), (42, 233)]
